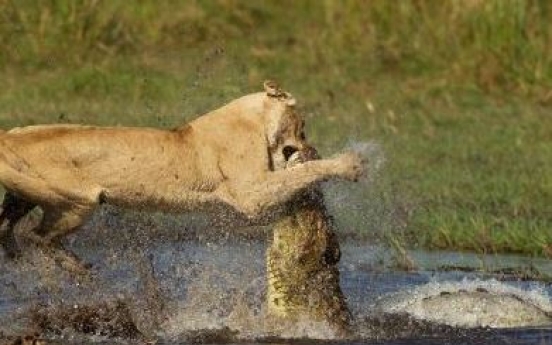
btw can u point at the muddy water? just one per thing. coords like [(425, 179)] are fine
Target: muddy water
[(179, 291)]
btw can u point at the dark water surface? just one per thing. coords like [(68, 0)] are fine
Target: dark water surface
[(181, 291)]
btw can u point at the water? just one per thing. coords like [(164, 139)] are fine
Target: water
[(204, 290)]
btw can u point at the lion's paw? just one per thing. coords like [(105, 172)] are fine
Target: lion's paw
[(351, 166)]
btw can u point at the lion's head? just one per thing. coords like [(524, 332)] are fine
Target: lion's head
[(285, 126)]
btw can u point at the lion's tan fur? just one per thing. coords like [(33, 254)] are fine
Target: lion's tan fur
[(232, 157)]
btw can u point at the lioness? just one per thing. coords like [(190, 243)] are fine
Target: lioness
[(232, 157)]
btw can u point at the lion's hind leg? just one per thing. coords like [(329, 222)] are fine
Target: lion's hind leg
[(13, 209), (57, 222)]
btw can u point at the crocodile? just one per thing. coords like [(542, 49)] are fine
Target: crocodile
[(302, 262)]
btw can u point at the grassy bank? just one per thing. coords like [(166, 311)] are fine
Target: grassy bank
[(458, 93)]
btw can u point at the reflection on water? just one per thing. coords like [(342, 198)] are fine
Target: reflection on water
[(213, 291)]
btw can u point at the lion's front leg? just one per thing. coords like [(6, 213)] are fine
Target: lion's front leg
[(255, 197)]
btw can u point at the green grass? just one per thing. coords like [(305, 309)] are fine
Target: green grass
[(480, 178), (456, 92)]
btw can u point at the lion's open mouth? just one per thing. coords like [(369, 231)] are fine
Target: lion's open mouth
[(288, 151), (308, 153)]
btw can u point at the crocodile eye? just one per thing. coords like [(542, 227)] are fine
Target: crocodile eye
[(287, 151)]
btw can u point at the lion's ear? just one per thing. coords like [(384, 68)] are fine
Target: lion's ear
[(273, 90)]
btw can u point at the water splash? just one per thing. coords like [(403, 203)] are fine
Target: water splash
[(216, 292), (373, 155), (366, 208), (473, 303)]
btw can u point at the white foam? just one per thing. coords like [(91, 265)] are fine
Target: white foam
[(473, 303)]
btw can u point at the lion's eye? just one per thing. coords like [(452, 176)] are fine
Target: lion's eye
[(302, 136)]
